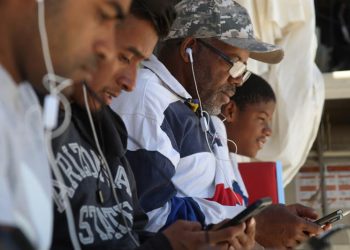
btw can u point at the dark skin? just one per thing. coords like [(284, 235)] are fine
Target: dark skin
[(289, 223), (215, 85), (9, 57), (174, 57), (108, 81), (212, 74), (74, 56), (119, 74), (188, 235), (247, 127), (101, 52), (80, 33)]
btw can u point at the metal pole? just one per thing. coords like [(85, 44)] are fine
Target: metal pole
[(323, 170)]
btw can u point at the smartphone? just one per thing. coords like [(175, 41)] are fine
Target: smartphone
[(330, 218), (249, 212)]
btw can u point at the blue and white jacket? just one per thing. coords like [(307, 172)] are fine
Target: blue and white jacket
[(178, 176)]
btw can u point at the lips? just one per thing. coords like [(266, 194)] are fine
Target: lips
[(261, 142), (109, 95)]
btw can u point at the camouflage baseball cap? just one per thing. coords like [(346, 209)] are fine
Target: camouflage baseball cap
[(225, 20)]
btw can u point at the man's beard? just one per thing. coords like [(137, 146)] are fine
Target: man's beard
[(212, 104)]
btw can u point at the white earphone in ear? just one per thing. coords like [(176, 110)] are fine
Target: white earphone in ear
[(189, 52)]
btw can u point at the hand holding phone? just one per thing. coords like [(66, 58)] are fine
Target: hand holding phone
[(249, 212), (330, 218)]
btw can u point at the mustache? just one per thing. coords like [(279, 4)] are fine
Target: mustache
[(228, 88)]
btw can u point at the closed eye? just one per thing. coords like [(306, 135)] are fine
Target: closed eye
[(112, 11), (124, 59), (263, 119)]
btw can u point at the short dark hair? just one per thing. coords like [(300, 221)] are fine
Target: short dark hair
[(161, 13), (254, 90)]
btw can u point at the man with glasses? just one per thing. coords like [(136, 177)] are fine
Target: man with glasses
[(237, 67), (173, 148)]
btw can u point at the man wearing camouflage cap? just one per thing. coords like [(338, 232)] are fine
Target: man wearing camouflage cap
[(178, 161)]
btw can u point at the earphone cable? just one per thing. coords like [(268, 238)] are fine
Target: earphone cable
[(106, 165), (55, 91)]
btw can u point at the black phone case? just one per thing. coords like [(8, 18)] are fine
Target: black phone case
[(249, 212), (330, 218)]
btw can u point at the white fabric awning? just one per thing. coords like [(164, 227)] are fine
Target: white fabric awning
[(297, 82)]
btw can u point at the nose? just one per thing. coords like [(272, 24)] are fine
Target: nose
[(267, 130), (127, 80), (238, 81)]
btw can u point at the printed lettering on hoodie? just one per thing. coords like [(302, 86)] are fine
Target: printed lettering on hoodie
[(76, 164)]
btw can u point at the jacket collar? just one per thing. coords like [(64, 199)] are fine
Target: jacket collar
[(166, 77)]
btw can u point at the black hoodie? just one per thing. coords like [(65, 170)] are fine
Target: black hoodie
[(99, 224)]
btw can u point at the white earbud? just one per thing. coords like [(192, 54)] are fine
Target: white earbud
[(189, 52), (51, 109), (204, 124)]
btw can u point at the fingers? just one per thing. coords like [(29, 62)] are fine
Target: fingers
[(236, 244), (301, 237), (244, 239), (221, 246), (311, 228), (185, 234), (327, 227), (250, 231), (293, 242), (306, 212), (247, 240), (226, 234), (189, 225), (297, 240), (216, 226)]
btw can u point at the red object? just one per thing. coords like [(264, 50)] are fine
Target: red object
[(263, 179), (226, 196)]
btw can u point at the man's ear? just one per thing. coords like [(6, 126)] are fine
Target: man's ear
[(188, 42), (230, 111)]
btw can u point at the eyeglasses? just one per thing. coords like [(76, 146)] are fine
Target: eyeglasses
[(237, 67)]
